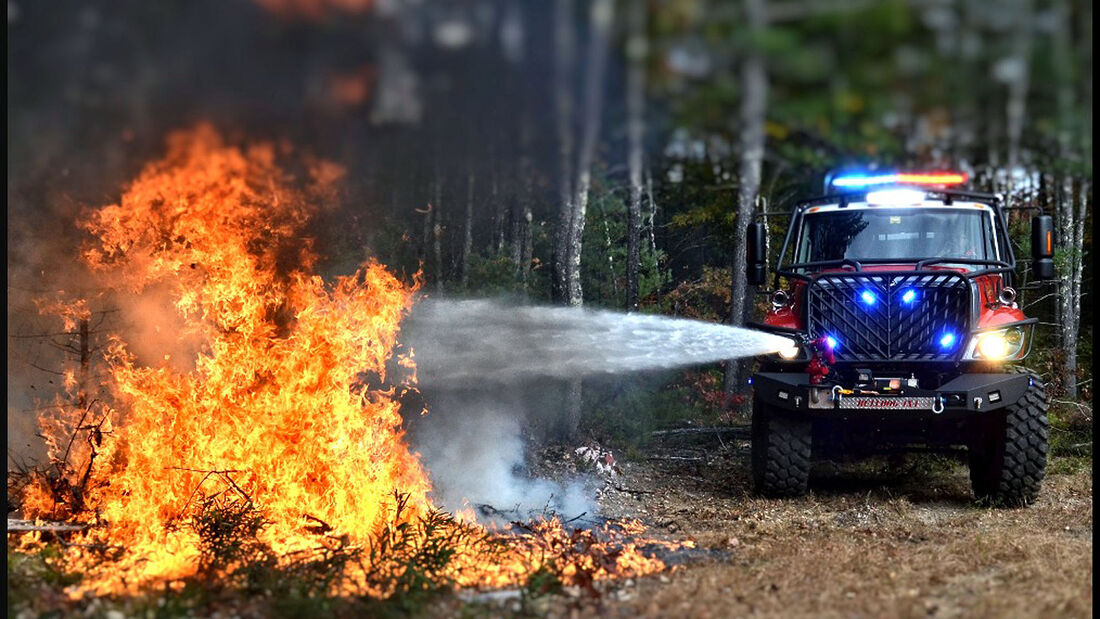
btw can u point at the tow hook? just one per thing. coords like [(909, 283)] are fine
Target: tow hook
[(937, 405), (978, 402), (837, 394)]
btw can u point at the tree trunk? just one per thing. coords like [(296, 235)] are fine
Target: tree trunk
[(754, 99), (1076, 267), (523, 195), (563, 106), (500, 210), (1019, 80), (1071, 221), (635, 104), (468, 230), (528, 245), (437, 233), (651, 226), (600, 16)]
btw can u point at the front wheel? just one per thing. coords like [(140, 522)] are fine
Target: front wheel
[(1008, 454), (780, 452)]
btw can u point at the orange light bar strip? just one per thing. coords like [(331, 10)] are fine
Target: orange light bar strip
[(949, 178)]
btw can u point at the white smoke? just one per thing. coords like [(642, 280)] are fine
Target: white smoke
[(474, 449)]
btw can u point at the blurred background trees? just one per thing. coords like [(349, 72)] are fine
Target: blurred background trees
[(604, 152)]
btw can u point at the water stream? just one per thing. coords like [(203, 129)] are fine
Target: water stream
[(471, 341)]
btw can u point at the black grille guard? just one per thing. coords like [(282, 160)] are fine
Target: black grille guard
[(887, 332), (888, 328)]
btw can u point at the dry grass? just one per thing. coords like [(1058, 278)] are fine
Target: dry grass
[(865, 543)]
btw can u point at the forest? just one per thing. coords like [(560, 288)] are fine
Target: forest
[(604, 154)]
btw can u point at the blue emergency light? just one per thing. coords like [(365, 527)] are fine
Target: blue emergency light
[(899, 178)]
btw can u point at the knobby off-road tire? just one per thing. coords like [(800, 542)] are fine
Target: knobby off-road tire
[(1008, 456), (780, 452)]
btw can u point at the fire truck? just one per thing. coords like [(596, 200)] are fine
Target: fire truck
[(898, 292)]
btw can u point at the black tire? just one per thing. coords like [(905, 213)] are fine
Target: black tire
[(780, 452), (1008, 454)]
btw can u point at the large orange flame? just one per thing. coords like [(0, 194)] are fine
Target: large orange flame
[(275, 405)]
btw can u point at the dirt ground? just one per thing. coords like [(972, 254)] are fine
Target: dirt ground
[(876, 539)]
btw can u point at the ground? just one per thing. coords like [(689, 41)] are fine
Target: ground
[(881, 538), (878, 539)]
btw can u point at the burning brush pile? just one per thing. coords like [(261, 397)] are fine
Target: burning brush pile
[(275, 448)]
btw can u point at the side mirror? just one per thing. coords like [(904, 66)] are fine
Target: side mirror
[(755, 246), (1042, 247)]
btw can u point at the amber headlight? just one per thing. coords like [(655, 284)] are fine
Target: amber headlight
[(999, 345)]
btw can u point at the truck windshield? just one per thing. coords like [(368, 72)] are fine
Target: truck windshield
[(885, 234)]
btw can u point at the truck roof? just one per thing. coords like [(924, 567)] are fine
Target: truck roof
[(924, 204), (945, 197)]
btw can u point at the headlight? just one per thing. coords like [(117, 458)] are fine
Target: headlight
[(992, 346), (790, 353), (998, 345)]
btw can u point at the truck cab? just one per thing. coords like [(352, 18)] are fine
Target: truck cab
[(898, 294)]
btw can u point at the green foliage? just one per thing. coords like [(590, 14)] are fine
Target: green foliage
[(29, 574), (604, 253), (706, 298)]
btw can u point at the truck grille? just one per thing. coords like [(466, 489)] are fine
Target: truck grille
[(891, 317)]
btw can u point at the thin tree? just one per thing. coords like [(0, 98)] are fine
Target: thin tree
[(601, 14), (754, 100), (563, 110), (636, 49), (468, 226), (1071, 206)]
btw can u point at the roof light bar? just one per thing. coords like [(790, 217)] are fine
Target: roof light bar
[(935, 178), (895, 197), (860, 180), (908, 178)]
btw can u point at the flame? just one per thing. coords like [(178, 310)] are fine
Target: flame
[(276, 408)]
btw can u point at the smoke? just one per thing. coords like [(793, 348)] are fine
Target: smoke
[(473, 445)]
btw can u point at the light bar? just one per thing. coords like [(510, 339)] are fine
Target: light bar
[(860, 180), (895, 197), (937, 178), (907, 178)]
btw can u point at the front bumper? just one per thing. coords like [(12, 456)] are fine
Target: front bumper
[(965, 395)]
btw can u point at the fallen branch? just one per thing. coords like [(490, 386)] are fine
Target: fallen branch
[(52, 527), (634, 492), (697, 435), (676, 459)]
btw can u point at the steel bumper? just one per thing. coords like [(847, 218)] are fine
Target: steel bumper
[(965, 395)]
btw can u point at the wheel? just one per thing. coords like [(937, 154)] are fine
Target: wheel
[(780, 452), (1008, 455)]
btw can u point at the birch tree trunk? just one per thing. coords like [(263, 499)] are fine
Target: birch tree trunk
[(600, 15), (1071, 220), (528, 245), (467, 229), (563, 107), (636, 48), (1077, 269), (520, 222), (754, 100), (599, 36)]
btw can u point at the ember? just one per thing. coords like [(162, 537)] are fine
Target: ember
[(274, 423)]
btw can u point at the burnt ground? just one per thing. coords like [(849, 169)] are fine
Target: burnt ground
[(872, 539)]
